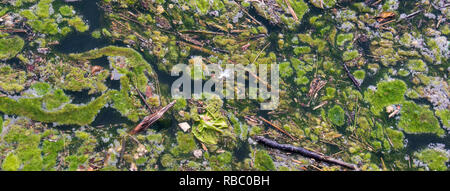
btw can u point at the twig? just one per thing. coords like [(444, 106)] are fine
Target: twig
[(273, 125), (356, 83), (143, 99), (149, 120), (251, 17), (303, 152), (291, 10), (201, 49)]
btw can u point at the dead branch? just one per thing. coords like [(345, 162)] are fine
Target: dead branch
[(276, 127), (356, 83), (149, 120), (303, 152)]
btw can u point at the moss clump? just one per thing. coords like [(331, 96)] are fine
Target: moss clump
[(444, 115), (417, 65), (11, 80), (78, 24), (167, 161), (11, 163), (418, 119), (330, 93), (336, 115), (286, 69), (66, 11), (55, 99), (26, 144), (359, 74), (96, 34), (435, 159), (50, 150), (180, 104), (69, 114), (43, 18), (10, 47), (28, 14), (412, 94), (318, 43), (186, 144), (41, 88), (350, 55), (263, 161), (387, 93), (396, 138), (342, 38), (43, 8), (302, 50)]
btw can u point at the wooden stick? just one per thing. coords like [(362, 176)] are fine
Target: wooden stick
[(276, 127), (356, 83), (303, 152), (251, 17), (292, 10), (149, 120), (201, 49), (143, 99)]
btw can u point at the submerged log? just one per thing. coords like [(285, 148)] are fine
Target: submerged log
[(149, 120), (303, 152)]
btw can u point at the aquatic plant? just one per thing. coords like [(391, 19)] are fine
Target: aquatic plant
[(11, 80), (69, 114), (387, 93), (11, 163), (186, 144), (418, 119), (212, 125), (444, 115), (434, 159), (10, 47), (43, 18), (263, 161), (336, 115)]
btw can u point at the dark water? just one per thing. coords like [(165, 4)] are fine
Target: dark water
[(80, 42)]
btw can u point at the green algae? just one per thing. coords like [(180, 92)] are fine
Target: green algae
[(27, 147), (212, 125), (444, 115), (336, 115), (167, 161), (11, 80), (343, 38), (387, 93), (11, 163), (43, 18), (418, 119), (350, 55), (396, 138), (66, 11), (10, 47), (434, 159), (263, 161), (417, 65), (133, 67), (186, 144), (359, 74), (69, 114)]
